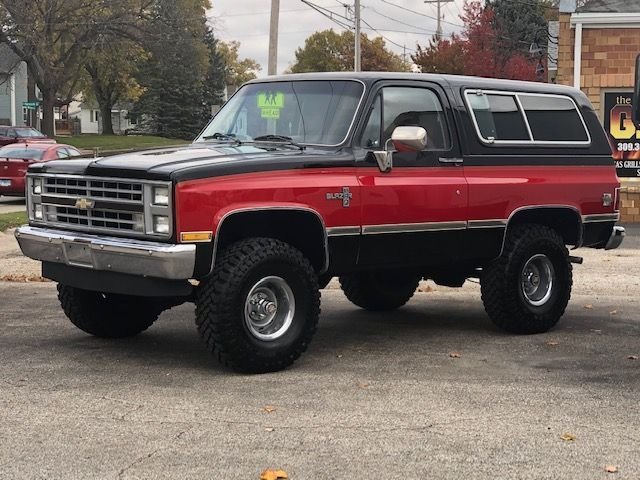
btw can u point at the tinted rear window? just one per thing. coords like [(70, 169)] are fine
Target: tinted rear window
[(498, 117), (553, 119), (24, 153)]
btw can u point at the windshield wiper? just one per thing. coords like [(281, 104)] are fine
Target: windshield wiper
[(222, 136), (279, 138)]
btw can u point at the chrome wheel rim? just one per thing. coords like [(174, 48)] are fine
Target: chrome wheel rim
[(538, 276), (269, 308)]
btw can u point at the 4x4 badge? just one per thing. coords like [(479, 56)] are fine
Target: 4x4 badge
[(345, 196)]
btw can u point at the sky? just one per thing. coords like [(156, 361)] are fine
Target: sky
[(247, 21)]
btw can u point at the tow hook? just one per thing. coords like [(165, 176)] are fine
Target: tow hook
[(577, 260)]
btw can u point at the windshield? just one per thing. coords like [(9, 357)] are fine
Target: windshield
[(28, 133), (23, 153), (308, 112)]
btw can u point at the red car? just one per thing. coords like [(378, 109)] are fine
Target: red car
[(16, 158), (9, 135)]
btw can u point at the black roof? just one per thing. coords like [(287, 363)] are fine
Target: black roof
[(453, 81), (611, 6)]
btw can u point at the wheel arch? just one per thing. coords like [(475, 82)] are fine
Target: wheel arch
[(565, 219), (299, 226)]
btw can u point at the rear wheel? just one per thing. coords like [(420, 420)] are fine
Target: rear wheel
[(259, 309), (527, 289), (380, 290), (109, 315)]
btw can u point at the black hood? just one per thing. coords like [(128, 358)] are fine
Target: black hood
[(194, 161)]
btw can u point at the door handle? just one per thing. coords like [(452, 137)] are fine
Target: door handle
[(450, 160)]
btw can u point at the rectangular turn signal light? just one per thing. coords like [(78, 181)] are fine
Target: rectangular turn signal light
[(192, 237)]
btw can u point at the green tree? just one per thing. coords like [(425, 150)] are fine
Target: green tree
[(55, 39), (518, 27), (214, 84), (329, 51), (237, 71), (174, 75), (111, 70)]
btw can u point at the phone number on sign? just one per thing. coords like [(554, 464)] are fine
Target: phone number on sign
[(629, 147)]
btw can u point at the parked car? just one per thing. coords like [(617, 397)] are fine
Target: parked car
[(16, 158), (382, 179), (9, 135)]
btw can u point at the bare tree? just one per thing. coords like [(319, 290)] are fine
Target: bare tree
[(55, 38)]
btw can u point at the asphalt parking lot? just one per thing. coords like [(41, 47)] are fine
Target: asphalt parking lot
[(430, 391)]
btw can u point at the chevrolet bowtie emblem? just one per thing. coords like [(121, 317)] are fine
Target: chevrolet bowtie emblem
[(84, 204)]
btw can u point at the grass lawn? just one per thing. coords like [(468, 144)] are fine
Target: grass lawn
[(12, 220), (118, 142)]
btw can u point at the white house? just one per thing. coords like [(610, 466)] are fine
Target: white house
[(91, 121), (13, 88)]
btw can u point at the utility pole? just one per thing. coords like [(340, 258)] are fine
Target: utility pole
[(358, 54), (439, 15), (273, 38)]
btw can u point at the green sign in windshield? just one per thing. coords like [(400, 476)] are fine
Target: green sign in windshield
[(270, 104)]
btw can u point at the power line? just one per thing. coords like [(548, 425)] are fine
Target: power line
[(386, 38), (398, 21), (420, 13), (330, 14)]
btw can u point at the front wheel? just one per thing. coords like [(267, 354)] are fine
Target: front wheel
[(108, 315), (259, 309), (527, 289)]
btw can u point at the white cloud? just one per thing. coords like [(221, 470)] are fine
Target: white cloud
[(247, 21)]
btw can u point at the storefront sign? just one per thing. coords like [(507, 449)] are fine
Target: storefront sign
[(624, 137)]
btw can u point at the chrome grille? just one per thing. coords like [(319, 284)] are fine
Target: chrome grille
[(95, 204), (94, 189)]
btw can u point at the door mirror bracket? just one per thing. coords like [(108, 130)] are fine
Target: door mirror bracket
[(403, 139)]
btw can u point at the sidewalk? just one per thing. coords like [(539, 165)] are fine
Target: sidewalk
[(11, 204)]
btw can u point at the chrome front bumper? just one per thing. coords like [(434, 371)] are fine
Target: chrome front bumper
[(121, 255), (617, 235)]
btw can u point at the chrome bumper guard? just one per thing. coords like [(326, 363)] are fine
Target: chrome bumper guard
[(135, 257), (617, 235)]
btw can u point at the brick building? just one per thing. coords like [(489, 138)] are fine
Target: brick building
[(597, 48)]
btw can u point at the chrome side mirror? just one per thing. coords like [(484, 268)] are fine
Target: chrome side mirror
[(403, 139)]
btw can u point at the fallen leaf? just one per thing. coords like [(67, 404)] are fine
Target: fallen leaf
[(426, 289), (611, 469), (362, 385), (613, 312), (269, 429), (632, 357), (455, 355), (552, 343), (588, 307), (269, 409), (599, 332), (23, 278), (273, 475), (568, 437), (338, 356)]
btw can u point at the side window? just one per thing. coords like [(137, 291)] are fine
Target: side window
[(371, 133), (553, 119), (73, 152), (62, 153), (498, 117), (415, 107)]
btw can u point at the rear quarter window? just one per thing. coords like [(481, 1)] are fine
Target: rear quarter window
[(526, 118)]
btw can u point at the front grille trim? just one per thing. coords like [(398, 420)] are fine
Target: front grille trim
[(113, 216)]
